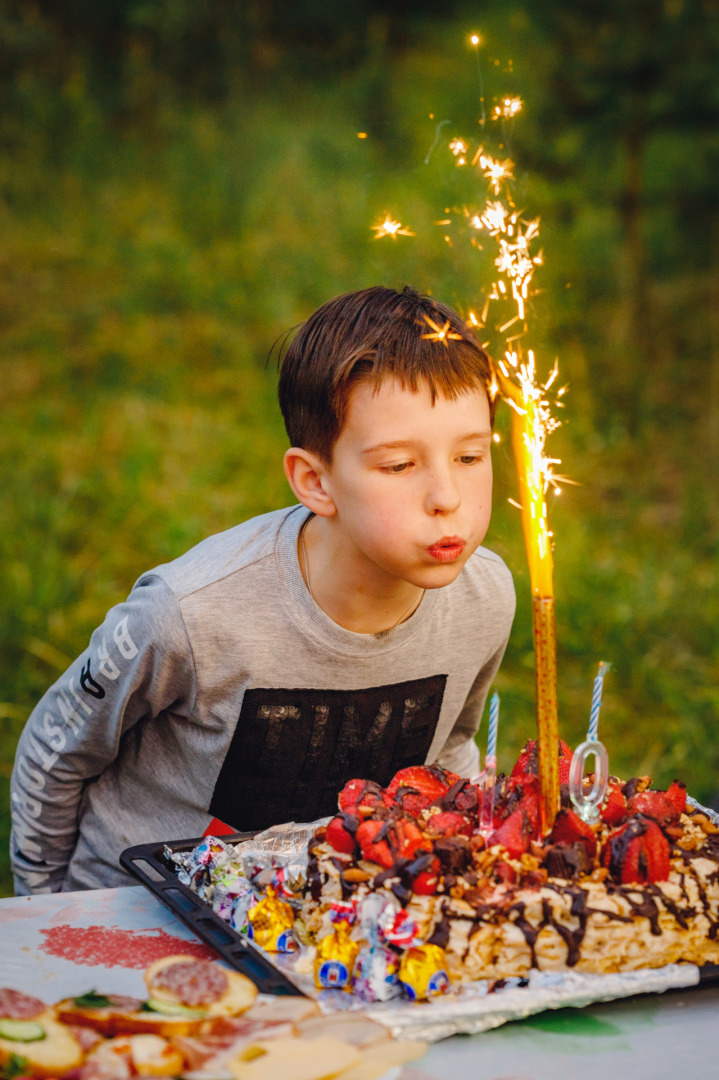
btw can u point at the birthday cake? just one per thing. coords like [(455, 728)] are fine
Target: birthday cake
[(639, 888)]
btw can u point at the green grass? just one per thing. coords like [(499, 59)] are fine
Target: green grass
[(144, 277)]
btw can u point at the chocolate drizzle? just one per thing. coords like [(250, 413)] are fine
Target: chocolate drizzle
[(440, 935), (469, 873), (531, 933), (645, 907), (401, 875), (315, 879), (461, 797)]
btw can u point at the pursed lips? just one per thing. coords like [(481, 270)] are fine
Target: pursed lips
[(447, 549)]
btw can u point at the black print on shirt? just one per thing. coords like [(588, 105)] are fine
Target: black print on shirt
[(293, 750), (89, 685)]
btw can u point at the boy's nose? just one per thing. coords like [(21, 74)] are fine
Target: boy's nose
[(442, 494)]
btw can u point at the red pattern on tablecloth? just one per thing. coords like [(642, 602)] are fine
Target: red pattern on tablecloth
[(109, 946)]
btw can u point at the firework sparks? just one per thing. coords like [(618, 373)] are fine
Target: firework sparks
[(507, 108), (440, 333), (497, 172), (495, 218), (517, 382), (459, 149), (389, 227)]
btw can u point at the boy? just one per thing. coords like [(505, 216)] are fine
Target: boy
[(349, 636)]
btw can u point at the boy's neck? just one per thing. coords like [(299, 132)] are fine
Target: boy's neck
[(354, 600)]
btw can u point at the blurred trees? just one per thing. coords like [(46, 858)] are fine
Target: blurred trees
[(204, 50), (635, 86)]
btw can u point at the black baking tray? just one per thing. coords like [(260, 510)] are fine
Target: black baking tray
[(149, 863)]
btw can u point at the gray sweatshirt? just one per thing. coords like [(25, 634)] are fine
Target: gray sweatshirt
[(220, 690)]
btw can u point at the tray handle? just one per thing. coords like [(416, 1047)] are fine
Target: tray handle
[(146, 862)]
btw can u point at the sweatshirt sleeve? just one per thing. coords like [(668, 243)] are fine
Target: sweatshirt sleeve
[(138, 664)]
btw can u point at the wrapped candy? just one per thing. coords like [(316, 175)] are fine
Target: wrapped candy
[(230, 884), (335, 958), (376, 974), (241, 904), (286, 885), (398, 928), (423, 972), (278, 856), (374, 912), (269, 924), (197, 868)]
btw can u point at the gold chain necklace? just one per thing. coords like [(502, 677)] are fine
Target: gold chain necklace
[(413, 607)]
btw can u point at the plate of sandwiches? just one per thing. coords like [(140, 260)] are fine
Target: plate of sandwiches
[(199, 1020)]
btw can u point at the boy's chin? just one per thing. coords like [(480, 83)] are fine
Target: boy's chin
[(437, 577)]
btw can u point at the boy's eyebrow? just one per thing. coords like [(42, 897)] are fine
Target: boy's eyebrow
[(401, 444)]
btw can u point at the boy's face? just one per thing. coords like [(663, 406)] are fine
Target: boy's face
[(411, 482)]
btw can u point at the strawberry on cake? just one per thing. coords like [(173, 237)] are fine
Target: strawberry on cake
[(640, 888)]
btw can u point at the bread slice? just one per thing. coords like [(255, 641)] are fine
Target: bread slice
[(170, 1010), (237, 995), (56, 1051), (112, 1020)]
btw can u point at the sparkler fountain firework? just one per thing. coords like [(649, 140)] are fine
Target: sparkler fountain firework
[(517, 382)]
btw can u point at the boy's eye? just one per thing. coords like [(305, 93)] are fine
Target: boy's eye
[(470, 459), (400, 467)]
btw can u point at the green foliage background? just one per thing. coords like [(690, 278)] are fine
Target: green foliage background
[(181, 183)]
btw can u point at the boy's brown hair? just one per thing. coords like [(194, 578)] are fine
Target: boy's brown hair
[(368, 335)]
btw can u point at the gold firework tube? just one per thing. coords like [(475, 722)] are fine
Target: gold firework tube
[(545, 655)]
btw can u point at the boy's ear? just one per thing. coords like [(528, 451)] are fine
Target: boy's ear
[(305, 474)]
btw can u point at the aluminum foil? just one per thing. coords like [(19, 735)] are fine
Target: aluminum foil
[(470, 1007)]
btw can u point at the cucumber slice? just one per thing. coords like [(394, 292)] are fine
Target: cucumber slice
[(25, 1031), (172, 1008)]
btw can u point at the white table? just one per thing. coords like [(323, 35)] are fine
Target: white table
[(65, 944)]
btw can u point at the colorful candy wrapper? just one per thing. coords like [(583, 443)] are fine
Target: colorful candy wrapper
[(398, 928), (423, 972), (270, 924), (286, 886), (240, 906), (335, 958), (376, 910), (229, 884), (376, 974), (343, 911), (196, 868)]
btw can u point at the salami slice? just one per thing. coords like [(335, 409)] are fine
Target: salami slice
[(194, 982), (87, 1037), (124, 1003), (17, 1006)]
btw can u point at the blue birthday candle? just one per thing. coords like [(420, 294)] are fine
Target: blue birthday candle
[(596, 702), (490, 769)]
